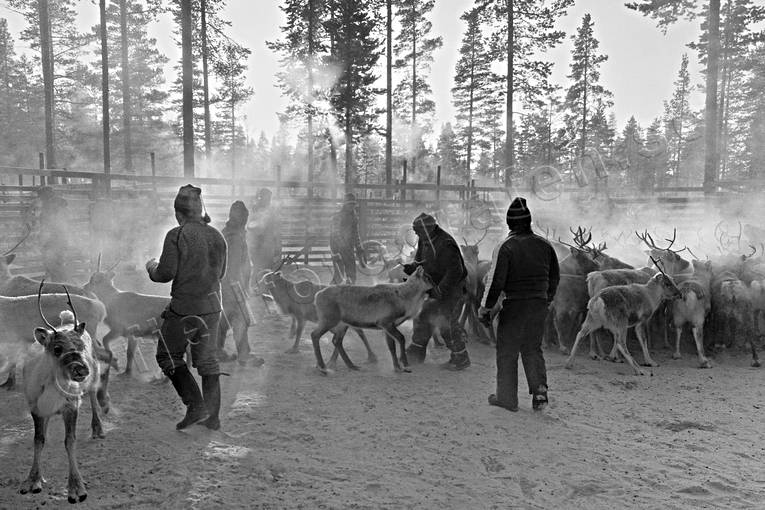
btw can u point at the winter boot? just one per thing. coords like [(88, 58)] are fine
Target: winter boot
[(461, 361), (415, 353), (451, 362), (211, 392), (539, 399), (187, 388)]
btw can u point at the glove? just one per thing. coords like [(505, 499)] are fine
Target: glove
[(151, 265), (435, 293), (484, 316)]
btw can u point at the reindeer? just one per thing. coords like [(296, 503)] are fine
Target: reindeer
[(13, 286), (619, 307), (693, 307), (54, 382), (383, 306), (296, 300), (476, 270), (128, 314), (18, 312)]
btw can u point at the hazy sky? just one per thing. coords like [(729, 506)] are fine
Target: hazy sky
[(641, 68)]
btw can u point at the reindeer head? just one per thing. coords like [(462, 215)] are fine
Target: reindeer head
[(470, 251), (671, 261), (668, 286), (101, 283), (69, 345), (421, 277)]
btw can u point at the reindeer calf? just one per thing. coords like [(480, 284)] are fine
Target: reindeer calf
[(619, 307), (297, 301), (54, 382), (128, 314), (383, 306)]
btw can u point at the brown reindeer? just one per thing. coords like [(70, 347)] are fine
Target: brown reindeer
[(384, 306), (296, 300), (128, 314), (54, 382), (620, 307)]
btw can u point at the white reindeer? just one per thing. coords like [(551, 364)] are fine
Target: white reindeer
[(619, 307), (693, 307), (383, 306), (54, 382)]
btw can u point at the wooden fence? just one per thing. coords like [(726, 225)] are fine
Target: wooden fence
[(130, 213)]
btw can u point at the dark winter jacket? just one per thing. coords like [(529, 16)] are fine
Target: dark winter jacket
[(524, 266), (194, 258), (440, 257), (344, 230)]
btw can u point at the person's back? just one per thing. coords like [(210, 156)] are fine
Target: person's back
[(194, 258), (530, 260)]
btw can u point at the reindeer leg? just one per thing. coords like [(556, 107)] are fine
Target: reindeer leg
[(371, 357), (698, 337), (391, 335), (10, 383), (76, 489), (583, 332), (755, 359), (337, 340), (95, 419), (106, 340), (315, 337), (559, 328), (640, 332), (678, 335), (131, 343), (299, 324), (34, 481), (620, 343)]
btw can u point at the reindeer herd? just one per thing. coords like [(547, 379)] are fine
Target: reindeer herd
[(720, 299)]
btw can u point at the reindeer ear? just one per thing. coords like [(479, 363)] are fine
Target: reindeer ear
[(79, 328), (9, 258), (43, 336), (110, 275)]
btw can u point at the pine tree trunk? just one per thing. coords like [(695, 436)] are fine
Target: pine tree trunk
[(583, 143), (233, 134), (127, 109), (311, 35), (349, 181), (188, 98), (206, 82), (389, 100), (711, 142), (105, 88), (509, 156), (414, 86), (46, 56), (470, 109)]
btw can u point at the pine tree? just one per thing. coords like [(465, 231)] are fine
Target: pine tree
[(355, 53), (667, 12), (230, 69), (414, 48), (448, 156), (523, 30), (585, 98), (473, 82), (677, 114)]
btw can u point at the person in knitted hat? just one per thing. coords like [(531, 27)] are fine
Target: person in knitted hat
[(440, 256), (194, 259), (523, 266), (345, 241), (234, 285)]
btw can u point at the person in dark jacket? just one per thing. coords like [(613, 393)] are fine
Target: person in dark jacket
[(264, 237), (236, 315), (345, 242), (194, 259), (440, 257), (525, 267)]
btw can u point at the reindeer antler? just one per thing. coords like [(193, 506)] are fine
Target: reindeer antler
[(29, 231), (648, 240), (98, 265), (754, 251), (39, 307), (71, 306), (579, 237)]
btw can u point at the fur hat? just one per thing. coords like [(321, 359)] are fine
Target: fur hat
[(239, 212), (188, 202), (424, 220), (518, 210)]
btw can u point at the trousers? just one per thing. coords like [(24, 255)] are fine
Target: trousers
[(442, 314), (200, 332), (520, 331)]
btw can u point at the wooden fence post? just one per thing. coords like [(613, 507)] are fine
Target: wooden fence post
[(42, 167), (278, 180), (438, 188), (153, 159), (403, 183)]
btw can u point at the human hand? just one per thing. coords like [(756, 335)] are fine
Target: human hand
[(152, 264)]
